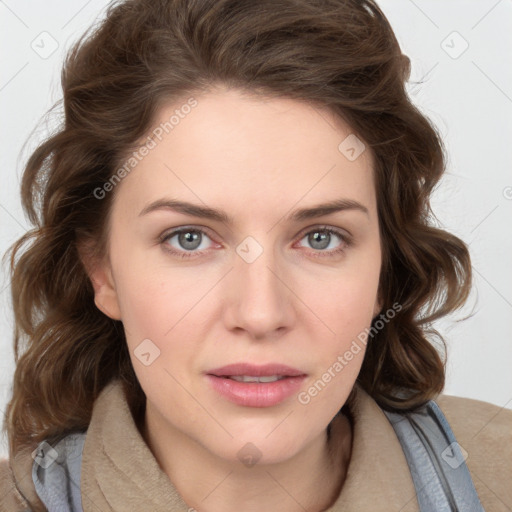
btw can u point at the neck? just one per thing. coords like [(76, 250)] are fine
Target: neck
[(311, 480)]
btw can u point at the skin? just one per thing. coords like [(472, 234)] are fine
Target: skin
[(258, 160)]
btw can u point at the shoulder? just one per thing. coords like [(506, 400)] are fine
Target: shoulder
[(484, 432), (473, 419), (10, 498)]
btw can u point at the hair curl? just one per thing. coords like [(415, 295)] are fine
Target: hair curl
[(338, 54)]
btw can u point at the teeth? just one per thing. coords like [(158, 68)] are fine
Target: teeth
[(249, 378)]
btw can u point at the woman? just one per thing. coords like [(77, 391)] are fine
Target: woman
[(228, 294)]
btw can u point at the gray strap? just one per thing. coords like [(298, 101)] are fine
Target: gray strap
[(56, 473), (436, 461)]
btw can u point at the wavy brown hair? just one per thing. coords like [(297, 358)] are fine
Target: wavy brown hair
[(336, 54)]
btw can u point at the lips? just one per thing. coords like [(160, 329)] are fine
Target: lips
[(256, 386), (266, 370), (253, 378)]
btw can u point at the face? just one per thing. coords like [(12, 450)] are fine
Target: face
[(273, 283)]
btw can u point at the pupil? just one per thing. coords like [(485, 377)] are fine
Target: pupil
[(319, 238), (189, 240)]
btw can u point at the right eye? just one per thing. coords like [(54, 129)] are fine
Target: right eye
[(187, 241)]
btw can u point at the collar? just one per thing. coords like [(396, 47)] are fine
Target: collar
[(119, 472)]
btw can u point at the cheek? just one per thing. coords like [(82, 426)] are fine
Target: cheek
[(164, 306), (345, 305), (159, 335), (351, 310), (346, 299), (145, 305), (346, 309), (151, 297)]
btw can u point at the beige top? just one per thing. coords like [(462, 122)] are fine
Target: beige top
[(119, 472)]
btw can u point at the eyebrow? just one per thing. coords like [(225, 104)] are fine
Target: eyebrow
[(206, 212)]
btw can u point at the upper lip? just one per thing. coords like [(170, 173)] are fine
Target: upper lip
[(265, 370)]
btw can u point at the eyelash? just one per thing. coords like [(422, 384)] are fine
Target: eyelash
[(346, 242)]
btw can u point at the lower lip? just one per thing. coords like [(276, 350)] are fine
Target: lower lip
[(256, 394)]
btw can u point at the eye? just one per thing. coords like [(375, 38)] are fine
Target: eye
[(188, 242), (322, 238)]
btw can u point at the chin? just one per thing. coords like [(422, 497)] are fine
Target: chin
[(260, 450)]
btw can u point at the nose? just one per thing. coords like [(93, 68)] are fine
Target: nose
[(260, 300)]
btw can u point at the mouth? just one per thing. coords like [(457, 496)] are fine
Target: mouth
[(256, 386), (251, 378), (256, 371)]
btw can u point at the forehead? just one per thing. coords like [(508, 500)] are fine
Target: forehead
[(245, 149)]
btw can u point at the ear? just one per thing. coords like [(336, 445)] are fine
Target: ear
[(100, 274)]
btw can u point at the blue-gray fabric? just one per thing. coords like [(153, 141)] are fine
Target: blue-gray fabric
[(436, 462), (56, 473)]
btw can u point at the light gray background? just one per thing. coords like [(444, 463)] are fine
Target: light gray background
[(468, 95)]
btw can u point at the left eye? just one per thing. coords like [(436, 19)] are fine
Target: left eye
[(321, 238)]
